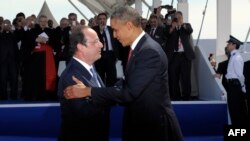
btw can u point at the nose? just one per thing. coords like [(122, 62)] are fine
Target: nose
[(100, 44)]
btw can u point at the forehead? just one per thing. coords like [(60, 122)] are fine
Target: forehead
[(6, 22), (102, 17), (115, 23), (90, 33)]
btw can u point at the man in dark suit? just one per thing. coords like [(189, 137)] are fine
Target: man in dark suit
[(156, 31), (8, 62), (144, 92), (105, 66), (81, 119), (181, 54)]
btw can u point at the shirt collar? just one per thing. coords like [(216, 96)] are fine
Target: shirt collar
[(137, 40), (233, 52), (85, 65)]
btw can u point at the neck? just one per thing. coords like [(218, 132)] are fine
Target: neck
[(135, 34)]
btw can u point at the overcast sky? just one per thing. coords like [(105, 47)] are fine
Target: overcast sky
[(61, 8)]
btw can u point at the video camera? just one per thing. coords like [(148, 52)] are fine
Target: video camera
[(167, 6)]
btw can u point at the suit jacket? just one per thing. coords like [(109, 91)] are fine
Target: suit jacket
[(148, 112), (159, 35), (8, 48), (222, 69), (81, 119), (185, 35)]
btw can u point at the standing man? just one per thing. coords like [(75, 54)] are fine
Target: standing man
[(180, 53), (144, 92), (156, 31), (106, 66), (81, 119), (236, 84)]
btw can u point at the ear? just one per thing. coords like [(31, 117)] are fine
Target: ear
[(80, 46), (129, 25)]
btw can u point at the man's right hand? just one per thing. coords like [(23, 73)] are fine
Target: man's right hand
[(79, 90)]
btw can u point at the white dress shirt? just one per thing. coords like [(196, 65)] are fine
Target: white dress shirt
[(235, 67)]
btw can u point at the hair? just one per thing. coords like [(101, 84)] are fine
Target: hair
[(153, 16), (127, 13), (72, 14), (20, 14), (77, 37), (103, 14), (237, 46), (179, 12)]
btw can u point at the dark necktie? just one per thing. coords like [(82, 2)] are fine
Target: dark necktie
[(94, 76), (105, 41), (176, 48), (152, 32)]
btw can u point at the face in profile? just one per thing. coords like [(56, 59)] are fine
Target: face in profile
[(122, 31), (92, 50)]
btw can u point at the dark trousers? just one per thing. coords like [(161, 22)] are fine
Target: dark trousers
[(35, 77), (9, 75), (236, 102), (180, 74)]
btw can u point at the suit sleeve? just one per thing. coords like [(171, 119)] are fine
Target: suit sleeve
[(80, 107), (146, 67)]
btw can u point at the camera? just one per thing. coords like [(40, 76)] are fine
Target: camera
[(175, 20), (167, 6)]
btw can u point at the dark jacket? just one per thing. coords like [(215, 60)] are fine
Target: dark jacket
[(148, 112), (81, 119)]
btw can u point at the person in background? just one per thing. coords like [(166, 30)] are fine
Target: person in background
[(180, 54), (156, 31), (148, 113), (222, 69), (82, 22), (106, 66), (50, 24), (236, 84), (81, 119), (1, 22), (72, 17), (9, 59)]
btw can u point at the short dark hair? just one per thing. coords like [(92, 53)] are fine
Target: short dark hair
[(72, 14), (104, 14), (77, 37), (127, 13), (153, 16), (20, 14)]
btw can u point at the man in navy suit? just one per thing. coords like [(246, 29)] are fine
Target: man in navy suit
[(81, 119), (144, 91)]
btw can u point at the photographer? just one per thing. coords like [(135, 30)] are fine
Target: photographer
[(180, 54), (157, 11)]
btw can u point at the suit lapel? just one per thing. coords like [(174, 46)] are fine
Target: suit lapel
[(136, 50), (86, 77)]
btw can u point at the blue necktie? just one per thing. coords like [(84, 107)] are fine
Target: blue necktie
[(95, 76)]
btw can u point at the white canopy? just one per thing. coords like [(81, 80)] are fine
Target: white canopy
[(46, 11)]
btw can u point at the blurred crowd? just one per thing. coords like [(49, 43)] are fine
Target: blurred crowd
[(31, 49)]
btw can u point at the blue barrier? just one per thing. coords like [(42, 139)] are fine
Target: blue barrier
[(43, 120)]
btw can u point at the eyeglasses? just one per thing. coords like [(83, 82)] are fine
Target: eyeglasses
[(94, 42)]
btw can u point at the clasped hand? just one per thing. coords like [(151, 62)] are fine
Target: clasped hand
[(79, 90)]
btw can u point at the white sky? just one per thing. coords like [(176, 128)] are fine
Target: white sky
[(61, 8)]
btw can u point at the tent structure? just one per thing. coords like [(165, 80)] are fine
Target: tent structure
[(46, 11)]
